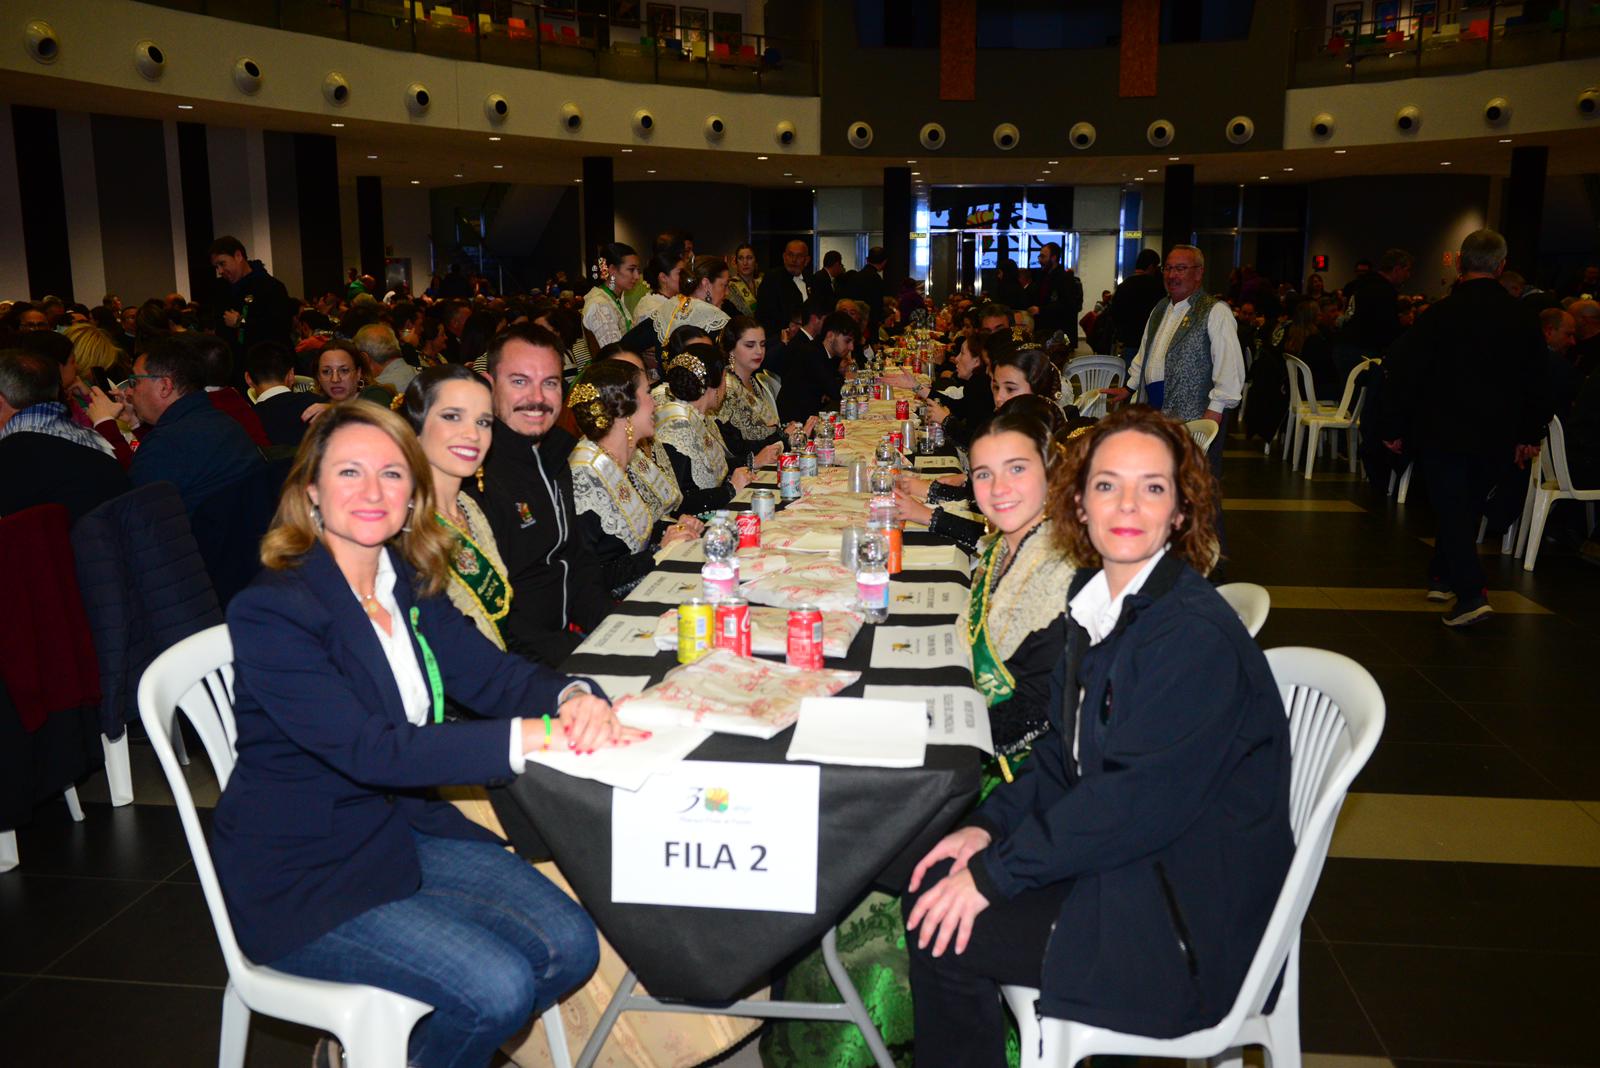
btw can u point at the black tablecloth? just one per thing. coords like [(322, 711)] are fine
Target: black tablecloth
[(873, 826)]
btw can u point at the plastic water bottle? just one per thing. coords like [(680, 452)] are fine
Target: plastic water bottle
[(880, 483), (719, 576), (872, 574)]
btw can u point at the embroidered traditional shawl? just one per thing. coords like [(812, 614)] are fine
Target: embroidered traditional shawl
[(601, 487), (683, 427)]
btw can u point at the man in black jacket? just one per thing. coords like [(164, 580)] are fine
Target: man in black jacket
[(782, 292), (828, 283), (1437, 376), (1057, 297), (812, 379), (1134, 299), (255, 306), (869, 285), (1374, 322), (555, 580), (269, 372), (46, 457)]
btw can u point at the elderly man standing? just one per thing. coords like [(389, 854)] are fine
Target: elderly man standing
[(556, 582), (1478, 334), (782, 293), (382, 350)]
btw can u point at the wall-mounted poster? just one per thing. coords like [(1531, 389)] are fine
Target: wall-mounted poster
[(663, 20), (694, 22), (726, 27), (1386, 15), (625, 13), (1425, 14), (1347, 18)]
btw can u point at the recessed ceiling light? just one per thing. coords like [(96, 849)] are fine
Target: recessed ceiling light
[(1138, 179), (915, 173), (337, 125), (1052, 162), (1263, 178), (499, 166), (494, 137), (578, 180), (788, 174), (1444, 163), (1173, 159), (185, 107), (627, 150), (458, 176), (1505, 140), (761, 157), (1045, 171), (1339, 151), (372, 157), (798, 181), (649, 172), (912, 161), (1288, 169), (415, 181), (1152, 170)]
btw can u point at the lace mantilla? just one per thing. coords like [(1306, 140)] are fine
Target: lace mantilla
[(674, 312), (658, 487), (750, 409), (1030, 594), (601, 487), (603, 316), (683, 427)]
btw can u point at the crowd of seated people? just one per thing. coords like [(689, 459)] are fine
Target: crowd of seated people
[(462, 485)]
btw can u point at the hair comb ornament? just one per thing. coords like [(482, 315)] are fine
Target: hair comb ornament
[(397, 402), (690, 363), (1018, 334), (587, 395)]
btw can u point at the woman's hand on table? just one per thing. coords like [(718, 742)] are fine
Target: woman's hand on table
[(741, 477), (957, 479), (692, 524), (587, 723), (769, 455), (947, 910), (909, 509), (675, 533), (912, 486)]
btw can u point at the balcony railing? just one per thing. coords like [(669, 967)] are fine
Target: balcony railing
[(1484, 36), (552, 37)]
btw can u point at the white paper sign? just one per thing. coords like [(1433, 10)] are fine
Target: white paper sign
[(620, 635), (710, 834), (666, 587), (927, 598), (937, 463), (957, 715), (935, 558), (918, 647)]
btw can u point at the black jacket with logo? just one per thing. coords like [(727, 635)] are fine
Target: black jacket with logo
[(555, 580)]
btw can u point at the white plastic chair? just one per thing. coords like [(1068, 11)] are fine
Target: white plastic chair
[(1087, 373), (1555, 484), (1250, 602), (1203, 431), (373, 1025), (1302, 403), (1336, 714), (1346, 417), (1404, 481)]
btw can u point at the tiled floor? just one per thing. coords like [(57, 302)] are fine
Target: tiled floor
[(1454, 922)]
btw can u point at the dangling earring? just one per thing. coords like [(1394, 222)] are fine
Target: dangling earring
[(406, 529), (480, 480), (630, 433), (316, 518)]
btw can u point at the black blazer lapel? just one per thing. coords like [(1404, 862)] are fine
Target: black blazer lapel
[(352, 633)]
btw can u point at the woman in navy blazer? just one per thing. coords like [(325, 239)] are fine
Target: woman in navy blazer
[(335, 861)]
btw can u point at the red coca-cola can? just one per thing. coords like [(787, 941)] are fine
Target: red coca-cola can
[(838, 430), (898, 440), (733, 626), (902, 409), (877, 391), (789, 459), (805, 638), (749, 526)]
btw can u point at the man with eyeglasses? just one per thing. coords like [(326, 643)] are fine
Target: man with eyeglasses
[(1189, 364)]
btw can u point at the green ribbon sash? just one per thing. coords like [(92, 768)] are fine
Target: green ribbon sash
[(473, 569), (430, 666), (989, 672)]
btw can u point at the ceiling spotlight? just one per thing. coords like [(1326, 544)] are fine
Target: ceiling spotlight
[(912, 161), (416, 181), (499, 166), (1045, 171), (1138, 179), (337, 125), (1505, 140), (185, 107), (1152, 170), (372, 157), (630, 150), (761, 157), (797, 181), (1339, 151), (788, 174), (578, 180), (1263, 178), (1288, 169), (1444, 163), (1052, 162), (494, 137), (1173, 159), (458, 176), (915, 173), (1038, 179)]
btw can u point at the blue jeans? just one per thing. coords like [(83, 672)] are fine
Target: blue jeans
[(486, 940)]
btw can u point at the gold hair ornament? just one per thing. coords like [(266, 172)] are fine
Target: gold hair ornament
[(588, 395), (690, 363)]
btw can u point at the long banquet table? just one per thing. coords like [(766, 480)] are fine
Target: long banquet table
[(873, 825)]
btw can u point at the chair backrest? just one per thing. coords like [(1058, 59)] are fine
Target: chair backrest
[(1336, 714), (1250, 602), (1302, 385), (1553, 457), (1093, 372), (196, 677), (1346, 410), (1203, 431)]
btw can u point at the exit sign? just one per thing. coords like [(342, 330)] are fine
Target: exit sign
[(1319, 263)]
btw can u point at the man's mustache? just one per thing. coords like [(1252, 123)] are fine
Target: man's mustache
[(544, 408)]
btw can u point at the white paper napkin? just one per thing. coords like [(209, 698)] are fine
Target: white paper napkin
[(860, 733)]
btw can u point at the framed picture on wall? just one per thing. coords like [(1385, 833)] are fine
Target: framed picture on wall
[(726, 27), (1424, 15), (625, 13), (663, 20), (1386, 15), (1347, 18), (693, 21)]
